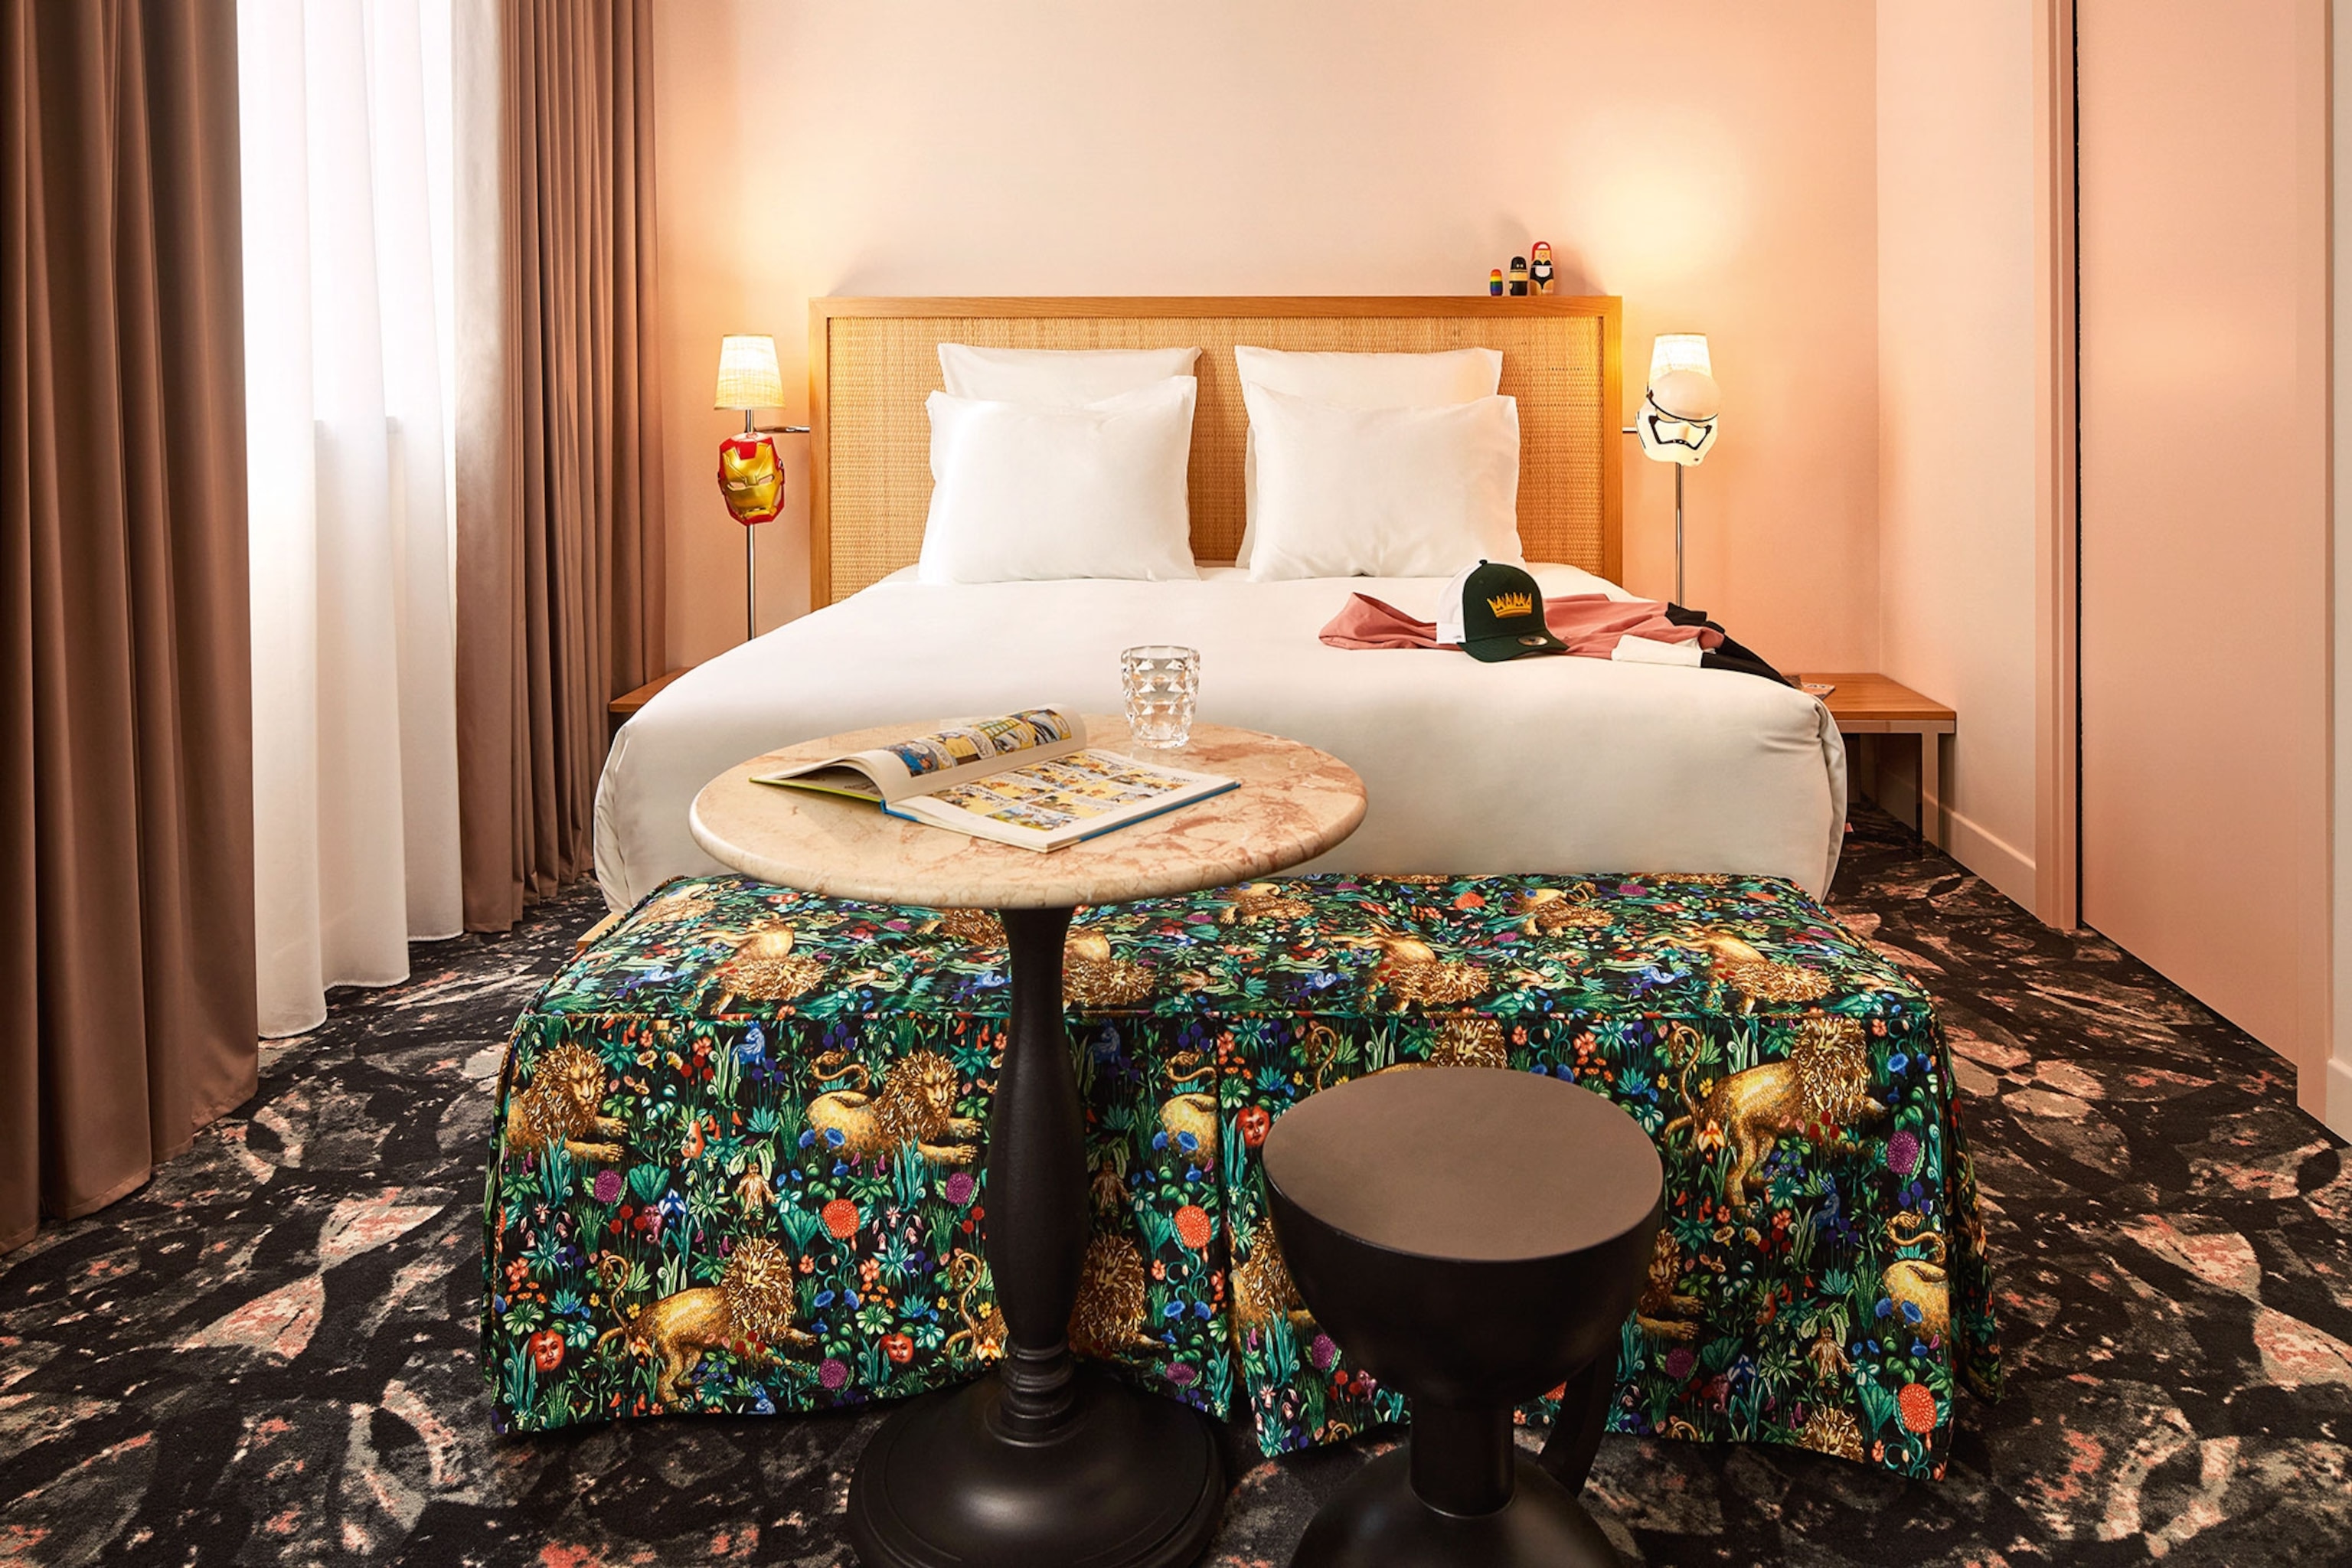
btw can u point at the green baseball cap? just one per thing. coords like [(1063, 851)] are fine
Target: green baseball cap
[(1494, 612)]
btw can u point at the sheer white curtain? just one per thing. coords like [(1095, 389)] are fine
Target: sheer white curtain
[(354, 726)]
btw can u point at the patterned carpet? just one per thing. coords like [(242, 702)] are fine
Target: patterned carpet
[(268, 1355)]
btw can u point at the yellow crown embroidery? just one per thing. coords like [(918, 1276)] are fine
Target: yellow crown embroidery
[(1512, 604)]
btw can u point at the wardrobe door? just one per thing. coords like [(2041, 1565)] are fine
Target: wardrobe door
[(2203, 249)]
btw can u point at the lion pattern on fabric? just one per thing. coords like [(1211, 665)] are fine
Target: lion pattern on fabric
[(765, 1068), (914, 1109), (749, 1310), (1819, 1090), (563, 1105)]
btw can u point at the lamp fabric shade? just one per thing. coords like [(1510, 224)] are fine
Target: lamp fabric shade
[(1678, 350), (748, 376)]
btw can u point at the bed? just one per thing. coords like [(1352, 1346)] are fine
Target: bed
[(1550, 765)]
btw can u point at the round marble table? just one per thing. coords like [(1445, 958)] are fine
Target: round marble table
[(1044, 1462)]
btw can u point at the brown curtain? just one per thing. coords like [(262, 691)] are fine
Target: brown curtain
[(126, 783), (560, 578)]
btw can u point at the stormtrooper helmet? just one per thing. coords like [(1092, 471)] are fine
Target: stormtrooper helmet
[(1677, 424)]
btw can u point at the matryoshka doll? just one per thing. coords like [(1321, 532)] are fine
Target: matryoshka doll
[(1518, 275), (1540, 274), (1495, 281)]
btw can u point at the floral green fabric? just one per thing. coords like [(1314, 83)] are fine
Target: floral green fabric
[(737, 1165)]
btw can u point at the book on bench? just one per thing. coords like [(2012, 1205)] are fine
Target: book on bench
[(1026, 779)]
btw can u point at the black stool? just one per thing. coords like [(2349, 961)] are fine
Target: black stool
[(1472, 1237)]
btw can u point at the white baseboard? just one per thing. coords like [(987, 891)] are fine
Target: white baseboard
[(1995, 859), (2339, 1097)]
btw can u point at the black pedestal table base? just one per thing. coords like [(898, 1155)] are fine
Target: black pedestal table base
[(1043, 1464), (1127, 1480)]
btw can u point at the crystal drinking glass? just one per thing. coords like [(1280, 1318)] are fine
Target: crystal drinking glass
[(1162, 684)]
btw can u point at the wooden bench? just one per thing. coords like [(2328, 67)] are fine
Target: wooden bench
[(1866, 704)]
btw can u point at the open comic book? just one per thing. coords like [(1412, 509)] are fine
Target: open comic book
[(1025, 779)]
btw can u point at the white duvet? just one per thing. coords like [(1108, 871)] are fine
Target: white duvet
[(1548, 763)]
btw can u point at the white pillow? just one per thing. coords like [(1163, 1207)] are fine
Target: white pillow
[(1067, 378), (1373, 381), (1356, 381), (1382, 492), (1023, 493)]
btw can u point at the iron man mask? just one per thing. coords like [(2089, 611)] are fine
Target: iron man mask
[(751, 478)]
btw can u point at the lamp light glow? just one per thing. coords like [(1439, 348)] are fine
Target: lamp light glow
[(1678, 350), (747, 376)]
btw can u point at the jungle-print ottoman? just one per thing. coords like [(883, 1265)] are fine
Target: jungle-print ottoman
[(738, 1158)]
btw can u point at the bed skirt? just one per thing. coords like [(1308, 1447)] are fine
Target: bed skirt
[(737, 1161)]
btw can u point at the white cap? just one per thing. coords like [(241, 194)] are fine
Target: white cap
[(1449, 607)]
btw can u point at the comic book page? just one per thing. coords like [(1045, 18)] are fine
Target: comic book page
[(947, 756), (1047, 804)]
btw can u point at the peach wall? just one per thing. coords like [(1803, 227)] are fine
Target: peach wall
[(1957, 353), (2205, 597), (1714, 168)]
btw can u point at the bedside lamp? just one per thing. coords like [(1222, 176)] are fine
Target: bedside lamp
[(751, 473), (1677, 421)]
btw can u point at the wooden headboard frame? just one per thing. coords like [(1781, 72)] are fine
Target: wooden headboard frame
[(873, 362)]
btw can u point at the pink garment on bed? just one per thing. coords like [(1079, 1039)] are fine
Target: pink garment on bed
[(1589, 624)]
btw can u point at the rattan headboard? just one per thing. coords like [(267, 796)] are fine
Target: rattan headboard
[(873, 362)]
